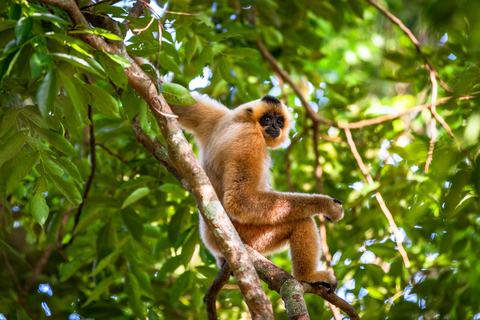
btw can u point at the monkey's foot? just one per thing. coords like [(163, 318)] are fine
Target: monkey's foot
[(334, 210), (321, 278)]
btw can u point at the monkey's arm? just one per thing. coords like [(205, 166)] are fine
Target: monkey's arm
[(245, 203), (201, 117)]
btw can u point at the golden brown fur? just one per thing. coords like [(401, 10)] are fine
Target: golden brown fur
[(234, 154)]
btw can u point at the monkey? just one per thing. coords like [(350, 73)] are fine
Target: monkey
[(234, 154)]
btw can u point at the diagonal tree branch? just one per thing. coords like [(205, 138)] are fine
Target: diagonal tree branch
[(379, 197)]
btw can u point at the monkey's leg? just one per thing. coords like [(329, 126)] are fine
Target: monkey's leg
[(306, 250)]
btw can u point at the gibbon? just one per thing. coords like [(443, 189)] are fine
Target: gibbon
[(234, 154)]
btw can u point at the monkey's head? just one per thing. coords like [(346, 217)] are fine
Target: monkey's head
[(271, 116)]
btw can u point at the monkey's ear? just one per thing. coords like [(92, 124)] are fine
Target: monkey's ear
[(249, 110)]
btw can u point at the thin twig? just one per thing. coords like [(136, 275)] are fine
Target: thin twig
[(379, 197), (93, 157), (113, 154), (38, 269), (414, 40), (210, 297), (433, 122)]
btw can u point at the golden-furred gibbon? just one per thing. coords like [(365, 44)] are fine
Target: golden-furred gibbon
[(234, 154)]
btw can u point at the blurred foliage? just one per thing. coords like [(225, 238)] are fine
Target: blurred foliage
[(136, 251)]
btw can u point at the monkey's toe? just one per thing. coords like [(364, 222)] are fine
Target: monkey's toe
[(327, 218), (331, 287), (337, 201)]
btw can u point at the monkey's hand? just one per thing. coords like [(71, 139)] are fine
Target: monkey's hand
[(333, 210)]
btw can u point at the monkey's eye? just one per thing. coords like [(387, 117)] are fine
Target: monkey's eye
[(267, 119), (280, 121)]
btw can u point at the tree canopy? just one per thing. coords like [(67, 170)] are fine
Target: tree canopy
[(385, 102)]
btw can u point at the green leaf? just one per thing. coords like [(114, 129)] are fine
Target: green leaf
[(243, 53), (135, 196), (13, 145), (98, 31), (205, 57), (49, 17), (73, 94), (151, 231), (39, 63), (224, 69), (170, 266), (66, 187), (78, 62), (145, 123), (178, 95), (99, 289), (180, 286), (169, 63), (124, 63), (179, 222), (133, 292), (102, 101), (32, 114), (66, 270), (8, 120), (58, 141), (190, 48), (224, 35), (272, 36), (189, 246), (47, 92), (68, 166), (7, 24), (20, 170), (133, 222), (106, 241), (23, 30), (174, 189), (115, 71), (39, 208)]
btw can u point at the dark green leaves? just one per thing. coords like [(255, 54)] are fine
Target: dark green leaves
[(102, 101), (47, 92), (39, 208), (12, 146), (224, 69), (22, 30), (58, 141)]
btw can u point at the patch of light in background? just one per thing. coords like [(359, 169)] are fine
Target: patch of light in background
[(476, 317), (367, 257), (402, 235), (443, 40), (47, 309), (297, 102), (75, 316), (45, 288), (356, 185), (364, 53), (383, 152), (347, 261), (201, 82), (314, 106), (363, 292), (336, 257), (378, 40), (350, 57), (411, 297), (275, 91), (2, 317), (452, 57), (311, 88)]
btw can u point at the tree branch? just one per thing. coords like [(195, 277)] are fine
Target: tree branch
[(433, 123), (119, 157), (414, 40), (210, 297), (275, 277), (379, 197)]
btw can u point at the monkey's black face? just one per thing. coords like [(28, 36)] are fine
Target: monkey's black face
[(273, 124)]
